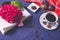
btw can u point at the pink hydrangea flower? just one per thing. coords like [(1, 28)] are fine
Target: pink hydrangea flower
[(11, 14)]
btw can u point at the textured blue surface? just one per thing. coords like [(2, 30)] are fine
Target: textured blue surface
[(32, 29)]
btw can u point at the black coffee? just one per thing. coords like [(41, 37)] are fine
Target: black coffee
[(50, 17)]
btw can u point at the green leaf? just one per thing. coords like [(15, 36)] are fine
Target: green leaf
[(17, 3)]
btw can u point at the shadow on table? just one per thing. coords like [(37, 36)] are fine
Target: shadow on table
[(26, 23)]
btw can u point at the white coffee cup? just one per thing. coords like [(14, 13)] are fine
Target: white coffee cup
[(53, 17), (50, 18)]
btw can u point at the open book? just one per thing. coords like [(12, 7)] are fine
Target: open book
[(5, 26)]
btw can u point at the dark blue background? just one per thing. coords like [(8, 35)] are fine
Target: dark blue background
[(32, 30)]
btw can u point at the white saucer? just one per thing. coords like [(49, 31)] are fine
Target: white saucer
[(41, 19)]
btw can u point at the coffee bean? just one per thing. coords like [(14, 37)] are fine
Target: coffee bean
[(44, 22), (44, 18), (33, 7), (49, 26)]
